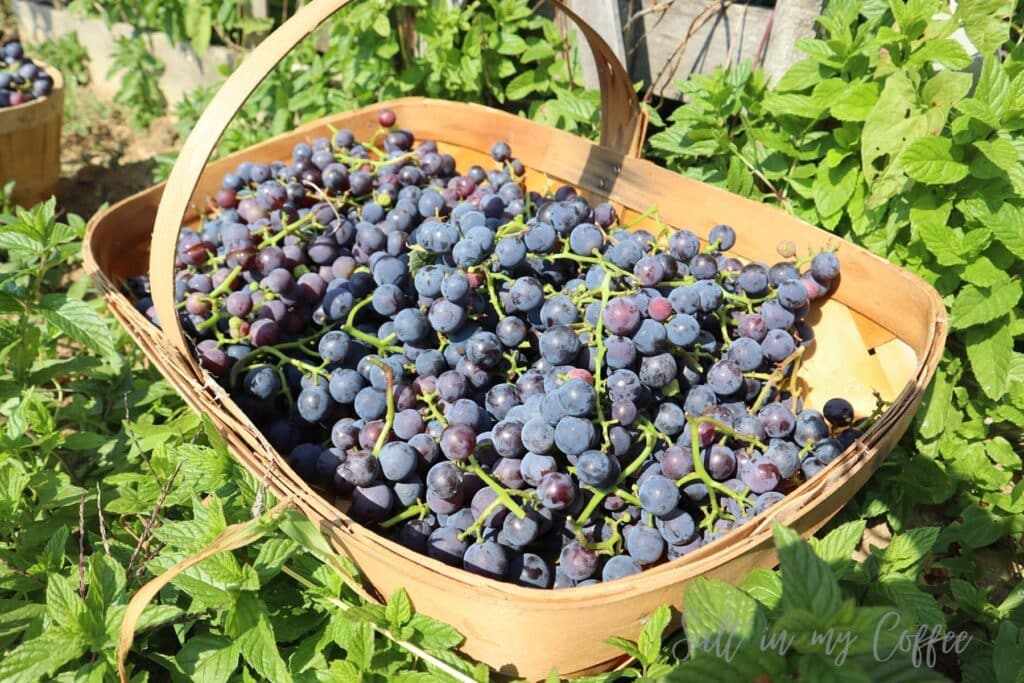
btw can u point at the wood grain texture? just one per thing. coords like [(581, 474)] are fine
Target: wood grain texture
[(894, 307), (30, 143)]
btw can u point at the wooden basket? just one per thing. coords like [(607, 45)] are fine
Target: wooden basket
[(30, 143), (882, 330)]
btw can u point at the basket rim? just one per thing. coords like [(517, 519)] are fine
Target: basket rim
[(722, 550)]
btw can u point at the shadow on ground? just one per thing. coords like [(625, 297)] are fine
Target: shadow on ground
[(92, 186)]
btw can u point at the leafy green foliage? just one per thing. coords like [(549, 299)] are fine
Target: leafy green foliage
[(197, 22), (878, 137), (496, 52), (139, 90)]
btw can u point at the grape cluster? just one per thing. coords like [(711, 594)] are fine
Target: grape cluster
[(512, 384), (21, 80)]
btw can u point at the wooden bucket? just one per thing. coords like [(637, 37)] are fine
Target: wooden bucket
[(882, 330), (30, 143)]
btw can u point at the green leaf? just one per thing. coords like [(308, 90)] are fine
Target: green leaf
[(1007, 225), (990, 350), (909, 598), (945, 51), (381, 25), (511, 44), (764, 585), (983, 272), (838, 545), (907, 551), (399, 610), (208, 658), (434, 634), (649, 642), (987, 23), (272, 556), (855, 102), (975, 305), (249, 625), (894, 122), (807, 581), (789, 104), (801, 76), (980, 110), (18, 242), (626, 646), (993, 86), (359, 645), (522, 85), (1000, 152), (833, 187), (40, 657), (937, 401), (720, 617), (76, 320), (930, 160), (63, 604)]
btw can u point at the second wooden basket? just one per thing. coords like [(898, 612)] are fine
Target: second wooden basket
[(30, 143), (882, 330)]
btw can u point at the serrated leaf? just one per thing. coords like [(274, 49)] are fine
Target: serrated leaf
[(35, 659), (626, 646), (947, 52), (1007, 225), (990, 350), (720, 617), (359, 646), (975, 305), (833, 187), (398, 610), (208, 658), (249, 625), (907, 550), (930, 160), (764, 585), (20, 243), (807, 581), (77, 320), (790, 104), (987, 23), (983, 272), (855, 102), (649, 642), (522, 85), (801, 76), (63, 604), (838, 545), (1000, 152), (910, 599), (980, 110), (272, 556)]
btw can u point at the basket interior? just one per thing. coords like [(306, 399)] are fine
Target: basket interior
[(860, 350)]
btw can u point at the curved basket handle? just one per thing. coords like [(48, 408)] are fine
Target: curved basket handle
[(622, 124)]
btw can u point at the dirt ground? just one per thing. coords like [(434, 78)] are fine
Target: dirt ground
[(103, 158)]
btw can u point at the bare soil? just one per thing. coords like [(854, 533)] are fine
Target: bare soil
[(103, 157)]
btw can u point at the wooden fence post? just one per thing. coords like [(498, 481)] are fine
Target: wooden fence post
[(793, 21)]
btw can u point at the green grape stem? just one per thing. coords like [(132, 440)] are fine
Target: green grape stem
[(389, 417), (502, 493), (418, 509)]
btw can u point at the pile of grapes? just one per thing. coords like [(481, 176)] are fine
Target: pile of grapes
[(21, 80), (512, 384)]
